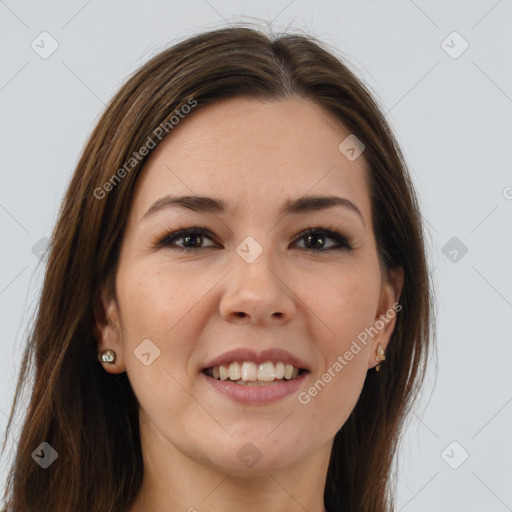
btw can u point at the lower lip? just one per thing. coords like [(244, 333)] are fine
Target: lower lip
[(257, 394)]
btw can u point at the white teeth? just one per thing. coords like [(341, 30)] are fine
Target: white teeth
[(266, 371), (248, 372), (223, 372), (234, 371), (279, 370)]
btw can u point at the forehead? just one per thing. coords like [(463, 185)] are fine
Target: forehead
[(254, 154)]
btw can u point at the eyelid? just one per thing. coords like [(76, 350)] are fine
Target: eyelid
[(179, 233), (329, 232), (342, 242)]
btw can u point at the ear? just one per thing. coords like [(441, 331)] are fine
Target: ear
[(107, 330), (385, 318)]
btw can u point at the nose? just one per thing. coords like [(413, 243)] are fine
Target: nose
[(257, 293)]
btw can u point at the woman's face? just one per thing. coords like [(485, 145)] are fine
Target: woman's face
[(253, 281)]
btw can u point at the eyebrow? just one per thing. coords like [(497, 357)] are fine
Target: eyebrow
[(204, 204)]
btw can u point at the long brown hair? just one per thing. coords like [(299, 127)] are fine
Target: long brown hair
[(89, 416)]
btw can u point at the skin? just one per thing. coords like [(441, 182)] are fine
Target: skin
[(196, 305)]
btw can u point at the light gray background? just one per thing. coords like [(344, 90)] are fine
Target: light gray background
[(452, 117)]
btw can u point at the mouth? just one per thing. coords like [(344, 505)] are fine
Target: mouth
[(249, 373), (252, 387), (256, 378)]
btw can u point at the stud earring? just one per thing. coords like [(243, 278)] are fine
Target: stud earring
[(108, 356), (380, 356)]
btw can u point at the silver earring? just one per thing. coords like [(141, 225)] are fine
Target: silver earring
[(108, 356)]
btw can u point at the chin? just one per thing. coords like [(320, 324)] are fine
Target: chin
[(254, 456)]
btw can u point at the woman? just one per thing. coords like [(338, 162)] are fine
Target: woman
[(237, 308)]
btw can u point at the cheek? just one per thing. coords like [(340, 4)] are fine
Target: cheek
[(158, 306), (154, 300), (346, 301), (346, 306), (150, 308), (334, 395)]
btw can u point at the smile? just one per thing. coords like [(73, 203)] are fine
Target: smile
[(249, 383), (249, 373)]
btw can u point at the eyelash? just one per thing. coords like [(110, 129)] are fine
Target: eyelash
[(327, 232)]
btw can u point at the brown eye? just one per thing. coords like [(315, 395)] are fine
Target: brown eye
[(314, 240), (190, 237)]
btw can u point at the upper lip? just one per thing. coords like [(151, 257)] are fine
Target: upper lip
[(247, 354)]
